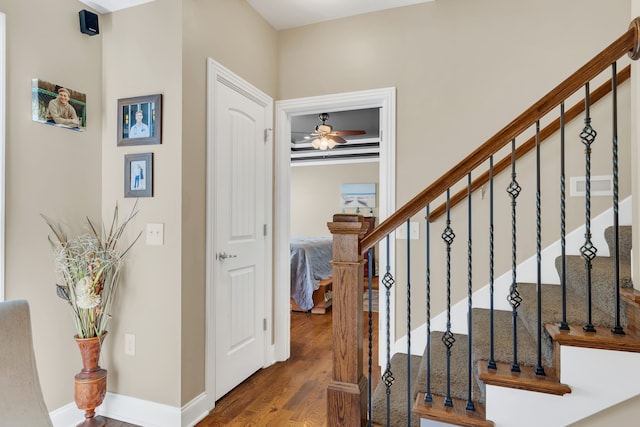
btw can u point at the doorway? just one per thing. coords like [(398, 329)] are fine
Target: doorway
[(384, 99)]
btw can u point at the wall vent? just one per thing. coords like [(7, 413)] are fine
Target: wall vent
[(600, 185)]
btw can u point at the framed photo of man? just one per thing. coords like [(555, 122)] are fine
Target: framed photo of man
[(140, 120), (138, 175), (58, 105)]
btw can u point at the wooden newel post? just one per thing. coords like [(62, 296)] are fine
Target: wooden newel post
[(346, 394)]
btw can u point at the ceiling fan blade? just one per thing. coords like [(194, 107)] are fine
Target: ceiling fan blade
[(338, 139), (348, 132)]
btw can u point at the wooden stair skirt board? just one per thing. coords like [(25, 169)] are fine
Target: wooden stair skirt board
[(322, 298), (456, 415)]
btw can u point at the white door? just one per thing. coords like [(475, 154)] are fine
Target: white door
[(239, 269)]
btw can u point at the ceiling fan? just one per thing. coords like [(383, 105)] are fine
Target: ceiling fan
[(325, 138)]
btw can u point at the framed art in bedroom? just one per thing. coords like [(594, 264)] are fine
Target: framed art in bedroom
[(140, 120), (138, 175)]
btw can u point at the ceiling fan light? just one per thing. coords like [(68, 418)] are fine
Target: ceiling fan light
[(323, 143)]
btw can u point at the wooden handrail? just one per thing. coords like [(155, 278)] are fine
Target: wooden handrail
[(530, 144), (628, 43)]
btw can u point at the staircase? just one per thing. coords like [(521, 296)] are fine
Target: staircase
[(538, 362), (603, 316)]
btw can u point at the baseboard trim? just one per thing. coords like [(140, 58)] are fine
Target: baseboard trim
[(66, 416), (196, 410), (137, 411)]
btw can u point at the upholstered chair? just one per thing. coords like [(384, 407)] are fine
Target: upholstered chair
[(21, 401)]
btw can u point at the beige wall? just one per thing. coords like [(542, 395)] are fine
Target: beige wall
[(622, 414), (315, 194), (137, 62), (462, 69), (49, 170)]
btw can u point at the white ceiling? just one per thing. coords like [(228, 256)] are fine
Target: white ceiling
[(106, 6), (282, 14)]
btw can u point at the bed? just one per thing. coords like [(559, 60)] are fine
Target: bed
[(311, 272)]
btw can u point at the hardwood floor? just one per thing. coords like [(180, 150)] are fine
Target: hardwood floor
[(115, 423), (291, 393)]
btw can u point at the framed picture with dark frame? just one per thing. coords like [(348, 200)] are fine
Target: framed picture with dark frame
[(138, 175), (140, 120)]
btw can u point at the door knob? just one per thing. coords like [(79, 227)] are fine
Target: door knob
[(223, 255)]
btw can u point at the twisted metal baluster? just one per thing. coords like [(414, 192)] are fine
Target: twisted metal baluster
[(370, 367), (409, 378), (387, 378), (470, 406), (428, 398), (588, 250), (563, 241), (539, 370), (492, 363), (447, 338), (617, 329), (514, 297)]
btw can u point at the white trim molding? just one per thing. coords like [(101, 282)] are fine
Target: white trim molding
[(385, 99), (3, 96), (137, 411)]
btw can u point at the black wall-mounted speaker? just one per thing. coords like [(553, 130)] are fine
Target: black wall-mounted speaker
[(88, 23)]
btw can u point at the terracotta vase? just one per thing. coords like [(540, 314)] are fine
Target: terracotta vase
[(91, 382)]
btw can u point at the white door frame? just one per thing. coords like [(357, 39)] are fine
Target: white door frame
[(3, 62), (218, 73), (385, 99)]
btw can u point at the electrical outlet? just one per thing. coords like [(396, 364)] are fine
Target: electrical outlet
[(155, 234), (130, 344), (414, 227)]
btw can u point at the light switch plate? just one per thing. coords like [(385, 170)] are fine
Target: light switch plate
[(130, 344), (414, 228), (155, 234)]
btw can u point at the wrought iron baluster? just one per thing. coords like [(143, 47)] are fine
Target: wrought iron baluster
[(492, 362), (514, 297), (428, 398), (409, 378), (370, 362), (447, 338), (387, 378), (539, 370), (588, 250), (563, 241), (617, 329), (470, 406)]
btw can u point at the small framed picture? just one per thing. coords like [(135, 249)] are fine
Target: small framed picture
[(140, 120), (138, 175)]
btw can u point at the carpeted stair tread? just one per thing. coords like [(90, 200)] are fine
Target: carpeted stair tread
[(459, 365), (552, 312), (602, 288), (503, 338), (625, 238), (552, 307), (398, 396)]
